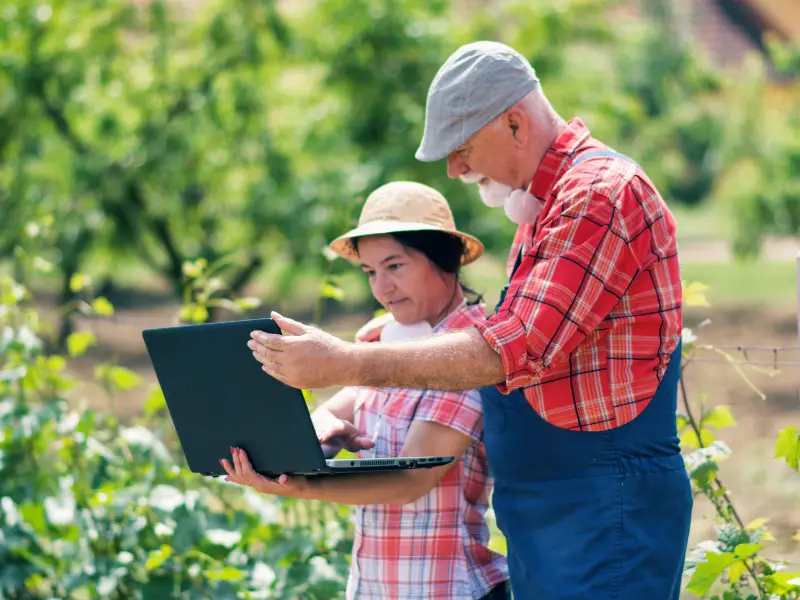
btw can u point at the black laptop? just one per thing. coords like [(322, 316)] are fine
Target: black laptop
[(218, 397)]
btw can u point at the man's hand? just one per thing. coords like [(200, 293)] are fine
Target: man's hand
[(303, 357)]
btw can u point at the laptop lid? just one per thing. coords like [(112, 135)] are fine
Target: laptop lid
[(218, 397)]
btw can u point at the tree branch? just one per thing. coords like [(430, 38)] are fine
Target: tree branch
[(56, 115), (160, 228), (244, 276)]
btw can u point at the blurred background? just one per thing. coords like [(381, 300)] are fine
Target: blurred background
[(190, 160)]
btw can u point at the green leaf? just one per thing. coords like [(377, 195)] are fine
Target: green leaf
[(117, 378), (225, 574), (694, 294), (78, 342), (194, 313), (193, 269), (689, 439), (703, 475), (78, 282), (248, 302), (706, 573), (743, 551), (35, 516), (719, 417), (41, 265), (155, 402), (101, 306), (331, 291), (736, 571), (156, 558), (787, 446)]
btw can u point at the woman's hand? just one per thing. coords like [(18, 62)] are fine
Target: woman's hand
[(240, 471), (338, 433)]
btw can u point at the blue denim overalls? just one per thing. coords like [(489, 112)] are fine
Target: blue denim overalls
[(590, 515)]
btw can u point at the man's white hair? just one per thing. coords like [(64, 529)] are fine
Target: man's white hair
[(536, 105)]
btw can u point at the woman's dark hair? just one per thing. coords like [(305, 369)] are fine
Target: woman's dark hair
[(442, 249)]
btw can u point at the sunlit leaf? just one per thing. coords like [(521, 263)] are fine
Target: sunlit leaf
[(79, 282), (117, 378), (706, 573), (79, 342), (102, 307), (157, 557), (155, 402), (225, 574), (743, 551), (787, 446), (719, 417), (694, 294), (736, 571), (248, 302), (329, 290)]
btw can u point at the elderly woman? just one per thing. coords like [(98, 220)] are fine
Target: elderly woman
[(419, 533)]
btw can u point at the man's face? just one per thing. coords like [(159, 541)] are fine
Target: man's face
[(488, 159)]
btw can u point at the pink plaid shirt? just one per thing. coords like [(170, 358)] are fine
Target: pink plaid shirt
[(436, 547), (593, 312)]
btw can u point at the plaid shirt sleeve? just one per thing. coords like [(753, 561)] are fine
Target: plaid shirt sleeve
[(585, 254), (458, 410)]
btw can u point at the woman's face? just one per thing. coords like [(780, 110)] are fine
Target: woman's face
[(404, 281)]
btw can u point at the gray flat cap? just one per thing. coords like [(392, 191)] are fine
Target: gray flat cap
[(476, 84)]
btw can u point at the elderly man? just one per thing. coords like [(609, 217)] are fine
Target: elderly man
[(580, 362)]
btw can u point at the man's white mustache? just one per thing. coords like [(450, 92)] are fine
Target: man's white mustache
[(471, 177)]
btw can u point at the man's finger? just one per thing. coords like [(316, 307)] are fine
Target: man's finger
[(289, 326), (272, 341), (267, 356)]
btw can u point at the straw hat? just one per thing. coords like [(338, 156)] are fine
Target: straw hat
[(405, 206)]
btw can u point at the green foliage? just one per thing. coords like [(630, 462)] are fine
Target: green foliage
[(91, 508), (245, 134), (732, 564)]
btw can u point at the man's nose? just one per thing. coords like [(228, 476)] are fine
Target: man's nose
[(456, 166)]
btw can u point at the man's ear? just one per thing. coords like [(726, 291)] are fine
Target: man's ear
[(517, 123)]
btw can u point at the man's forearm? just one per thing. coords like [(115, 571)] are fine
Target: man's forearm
[(458, 360)]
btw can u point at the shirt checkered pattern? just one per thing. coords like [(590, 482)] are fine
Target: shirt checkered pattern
[(593, 311), (436, 547)]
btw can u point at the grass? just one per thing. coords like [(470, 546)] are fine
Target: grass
[(708, 222), (756, 283), (731, 284)]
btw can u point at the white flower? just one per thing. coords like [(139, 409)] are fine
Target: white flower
[(106, 585), (166, 497), (321, 569), (688, 336), (266, 508), (223, 537), (263, 575), (10, 510), (61, 510), (125, 557), (163, 530)]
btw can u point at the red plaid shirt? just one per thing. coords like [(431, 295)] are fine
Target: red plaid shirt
[(436, 548), (594, 309)]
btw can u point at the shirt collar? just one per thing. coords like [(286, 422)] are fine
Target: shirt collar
[(558, 158), (444, 323)]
